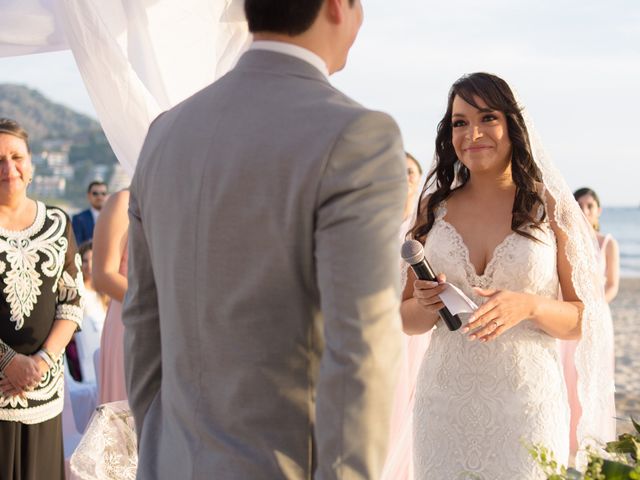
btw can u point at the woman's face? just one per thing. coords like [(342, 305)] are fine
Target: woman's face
[(480, 137), (87, 260), (15, 165), (413, 176), (590, 208)]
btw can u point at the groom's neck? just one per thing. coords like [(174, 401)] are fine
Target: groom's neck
[(306, 40)]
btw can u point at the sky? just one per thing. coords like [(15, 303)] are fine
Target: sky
[(574, 63)]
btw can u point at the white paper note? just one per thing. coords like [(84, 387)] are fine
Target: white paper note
[(456, 301)]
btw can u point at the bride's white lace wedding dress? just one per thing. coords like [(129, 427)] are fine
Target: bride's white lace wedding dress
[(479, 406)]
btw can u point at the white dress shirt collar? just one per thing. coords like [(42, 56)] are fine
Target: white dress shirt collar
[(293, 50), (95, 213)]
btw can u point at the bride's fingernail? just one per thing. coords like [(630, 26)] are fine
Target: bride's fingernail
[(465, 329), (472, 337)]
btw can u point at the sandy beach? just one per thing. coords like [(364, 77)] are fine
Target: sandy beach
[(625, 310)]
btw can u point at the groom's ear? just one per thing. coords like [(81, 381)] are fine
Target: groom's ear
[(334, 9)]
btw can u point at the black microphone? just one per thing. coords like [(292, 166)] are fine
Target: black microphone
[(413, 254)]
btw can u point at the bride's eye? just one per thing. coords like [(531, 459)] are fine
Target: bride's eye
[(490, 117), (458, 123)]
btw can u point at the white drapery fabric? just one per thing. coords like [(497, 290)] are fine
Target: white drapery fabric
[(137, 58)]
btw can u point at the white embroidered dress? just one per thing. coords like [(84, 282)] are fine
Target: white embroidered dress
[(479, 405)]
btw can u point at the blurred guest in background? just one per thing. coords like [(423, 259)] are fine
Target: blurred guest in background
[(110, 277), (610, 265), (414, 174), (609, 251), (399, 462), (95, 309), (84, 222)]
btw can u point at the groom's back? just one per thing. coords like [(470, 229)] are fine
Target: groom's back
[(228, 188), (264, 262)]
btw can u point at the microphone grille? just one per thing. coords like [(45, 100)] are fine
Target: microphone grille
[(412, 252)]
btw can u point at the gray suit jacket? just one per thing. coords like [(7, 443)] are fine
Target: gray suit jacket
[(262, 318)]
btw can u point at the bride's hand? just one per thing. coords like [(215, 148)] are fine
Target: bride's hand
[(503, 310), (426, 293)]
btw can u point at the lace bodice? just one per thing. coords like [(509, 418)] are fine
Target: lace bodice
[(478, 405), (517, 263)]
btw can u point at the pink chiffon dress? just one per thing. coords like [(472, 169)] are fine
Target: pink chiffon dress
[(399, 462), (111, 384)]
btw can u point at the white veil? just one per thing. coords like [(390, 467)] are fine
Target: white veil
[(594, 352)]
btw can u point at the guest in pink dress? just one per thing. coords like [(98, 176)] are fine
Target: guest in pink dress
[(110, 277), (399, 462), (609, 252), (610, 262)]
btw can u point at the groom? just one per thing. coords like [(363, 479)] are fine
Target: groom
[(262, 330)]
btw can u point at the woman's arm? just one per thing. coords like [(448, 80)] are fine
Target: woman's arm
[(560, 318), (420, 304), (612, 273), (109, 242), (420, 301), (69, 307)]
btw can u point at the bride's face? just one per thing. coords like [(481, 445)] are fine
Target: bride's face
[(480, 137)]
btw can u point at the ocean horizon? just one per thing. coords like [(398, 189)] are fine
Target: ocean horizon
[(624, 224)]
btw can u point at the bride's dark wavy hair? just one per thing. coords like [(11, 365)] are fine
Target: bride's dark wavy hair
[(449, 173)]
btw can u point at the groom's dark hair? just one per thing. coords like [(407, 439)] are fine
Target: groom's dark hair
[(291, 17)]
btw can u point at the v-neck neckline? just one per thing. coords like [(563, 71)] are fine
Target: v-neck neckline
[(471, 268)]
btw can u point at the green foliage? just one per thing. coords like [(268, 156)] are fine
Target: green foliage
[(621, 463)]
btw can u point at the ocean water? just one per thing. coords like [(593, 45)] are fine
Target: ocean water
[(624, 224)]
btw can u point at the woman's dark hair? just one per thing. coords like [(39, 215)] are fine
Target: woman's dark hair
[(581, 192), (11, 127), (95, 183), (85, 247), (450, 174), (291, 17)]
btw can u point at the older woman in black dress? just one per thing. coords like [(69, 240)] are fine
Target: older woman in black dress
[(40, 309)]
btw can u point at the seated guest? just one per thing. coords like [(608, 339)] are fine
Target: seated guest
[(95, 309), (83, 224)]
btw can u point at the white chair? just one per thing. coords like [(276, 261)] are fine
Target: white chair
[(96, 365), (88, 339), (71, 435), (83, 400)]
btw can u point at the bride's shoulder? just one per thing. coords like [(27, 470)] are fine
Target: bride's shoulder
[(429, 203)]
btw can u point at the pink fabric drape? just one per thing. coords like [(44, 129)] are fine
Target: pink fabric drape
[(399, 462)]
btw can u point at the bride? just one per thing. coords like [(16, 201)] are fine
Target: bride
[(500, 223)]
